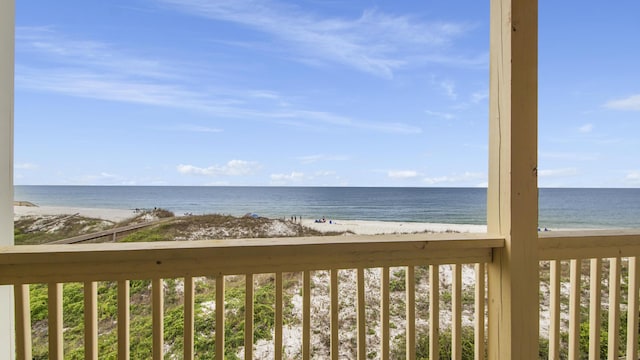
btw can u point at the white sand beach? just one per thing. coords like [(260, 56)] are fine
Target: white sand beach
[(114, 215), (366, 227)]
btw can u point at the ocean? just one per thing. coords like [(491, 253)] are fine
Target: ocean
[(559, 207)]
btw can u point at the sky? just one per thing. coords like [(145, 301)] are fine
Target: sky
[(311, 93)]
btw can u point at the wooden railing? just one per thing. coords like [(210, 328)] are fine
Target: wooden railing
[(364, 255), (419, 271), (586, 272)]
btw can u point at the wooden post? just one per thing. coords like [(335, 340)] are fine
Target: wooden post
[(512, 196), (7, 29)]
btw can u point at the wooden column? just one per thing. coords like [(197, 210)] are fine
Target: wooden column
[(7, 29), (512, 208)]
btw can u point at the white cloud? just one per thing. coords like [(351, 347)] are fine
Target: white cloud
[(310, 159), (87, 53), (586, 128), (564, 172), (630, 103), (446, 116), (198, 128), (374, 42), (93, 84), (633, 177), (231, 168), (25, 166), (105, 73), (459, 179), (292, 177), (103, 178), (479, 96), (402, 174), (324, 173), (570, 156), (449, 88)]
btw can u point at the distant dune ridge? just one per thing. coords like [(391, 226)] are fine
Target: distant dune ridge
[(113, 215), (359, 227)]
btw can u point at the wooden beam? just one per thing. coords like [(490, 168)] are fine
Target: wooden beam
[(560, 245), (98, 262), (512, 196), (7, 31)]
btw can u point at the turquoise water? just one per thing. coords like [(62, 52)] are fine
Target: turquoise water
[(559, 208)]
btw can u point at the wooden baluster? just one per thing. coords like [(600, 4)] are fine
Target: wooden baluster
[(632, 309), (613, 341), (456, 312), (594, 308), (248, 317), (411, 312), (157, 309), (123, 319), (335, 309), (189, 304), (306, 315), (554, 309), (479, 307), (361, 312), (574, 309), (384, 313), (220, 317), (434, 312), (278, 317), (90, 320), (23, 321), (56, 348)]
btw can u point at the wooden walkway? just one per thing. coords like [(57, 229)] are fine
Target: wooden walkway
[(111, 235)]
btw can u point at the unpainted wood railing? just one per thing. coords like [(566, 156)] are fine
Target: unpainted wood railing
[(573, 312), (90, 263), (590, 273)]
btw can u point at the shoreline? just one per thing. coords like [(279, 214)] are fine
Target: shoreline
[(359, 227), (374, 227)]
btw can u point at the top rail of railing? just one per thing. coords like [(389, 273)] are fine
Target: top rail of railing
[(586, 244), (122, 261)]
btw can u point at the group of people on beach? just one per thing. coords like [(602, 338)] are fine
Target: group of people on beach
[(298, 219), (323, 220)]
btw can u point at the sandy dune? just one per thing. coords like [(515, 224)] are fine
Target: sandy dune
[(114, 215), (360, 227)]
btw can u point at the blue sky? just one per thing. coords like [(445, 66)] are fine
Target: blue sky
[(310, 92)]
